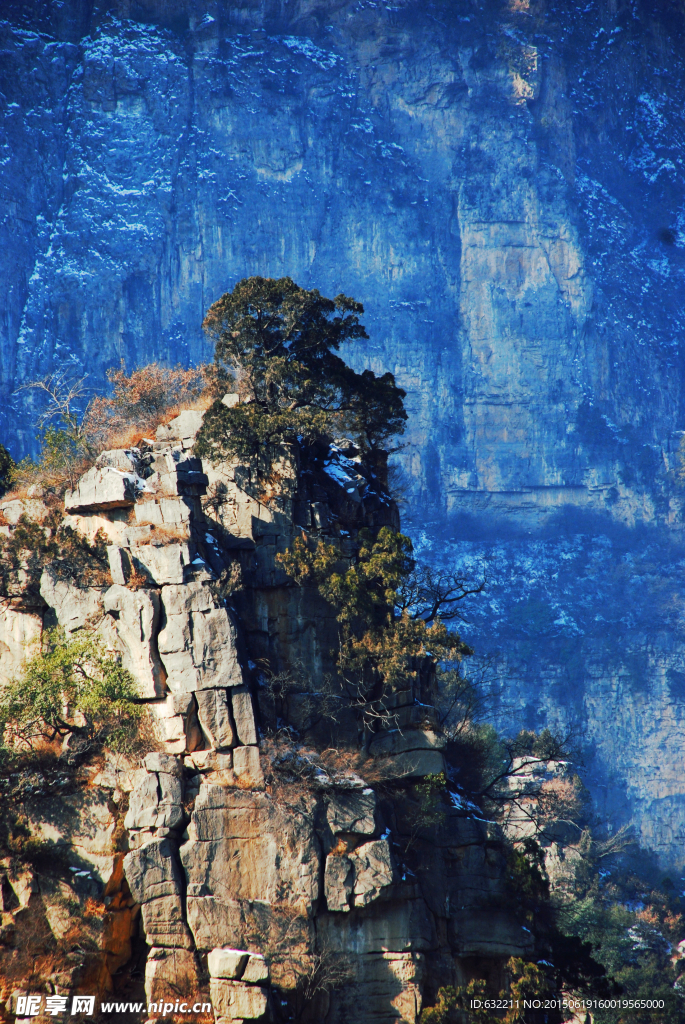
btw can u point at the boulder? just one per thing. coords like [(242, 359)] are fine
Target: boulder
[(215, 718), (372, 870), (152, 871), (243, 716), (338, 882), (352, 811), (103, 488), (163, 923), (396, 742), (227, 963), (234, 1000)]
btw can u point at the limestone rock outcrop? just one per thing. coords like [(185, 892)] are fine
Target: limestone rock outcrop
[(231, 846)]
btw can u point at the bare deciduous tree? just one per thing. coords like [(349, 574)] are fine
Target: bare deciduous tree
[(429, 592)]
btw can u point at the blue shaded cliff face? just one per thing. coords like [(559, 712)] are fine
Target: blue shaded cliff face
[(502, 186)]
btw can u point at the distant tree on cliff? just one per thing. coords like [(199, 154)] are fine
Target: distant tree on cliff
[(278, 342)]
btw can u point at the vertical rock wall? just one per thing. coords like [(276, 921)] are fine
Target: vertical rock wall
[(501, 184)]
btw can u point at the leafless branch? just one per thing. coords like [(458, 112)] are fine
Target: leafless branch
[(429, 592)]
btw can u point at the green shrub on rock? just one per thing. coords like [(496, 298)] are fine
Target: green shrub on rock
[(70, 686)]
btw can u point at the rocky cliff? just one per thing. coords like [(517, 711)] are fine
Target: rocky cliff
[(287, 882), (501, 184)]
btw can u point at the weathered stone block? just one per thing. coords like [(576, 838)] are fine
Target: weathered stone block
[(244, 845), (211, 760), (247, 766), (175, 510), (487, 932), (338, 882), (170, 972), (386, 989), (185, 425), (198, 645), (116, 458), (378, 928), (73, 606), (233, 999), (135, 616), (215, 718), (244, 716), (152, 871), (119, 564), (163, 563), (213, 921), (215, 648), (148, 512), (227, 963), (143, 804), (257, 970), (14, 509), (102, 489), (163, 923), (164, 763), (352, 811), (87, 814), (139, 535), (372, 870), (192, 597)]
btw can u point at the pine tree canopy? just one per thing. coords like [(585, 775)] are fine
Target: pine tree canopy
[(279, 343)]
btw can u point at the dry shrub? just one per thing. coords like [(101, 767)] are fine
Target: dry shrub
[(341, 847), (141, 402)]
